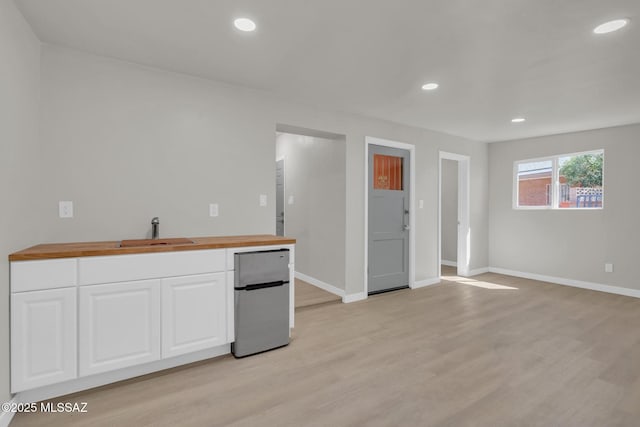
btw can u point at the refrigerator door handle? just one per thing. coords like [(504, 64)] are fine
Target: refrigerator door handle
[(264, 285)]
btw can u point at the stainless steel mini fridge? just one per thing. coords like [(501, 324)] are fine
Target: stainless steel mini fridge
[(261, 301)]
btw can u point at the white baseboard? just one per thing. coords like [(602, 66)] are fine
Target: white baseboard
[(479, 271), (471, 272), (6, 417), (320, 284), (426, 282), (569, 282), (354, 297)]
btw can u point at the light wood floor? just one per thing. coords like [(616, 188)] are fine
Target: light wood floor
[(308, 295), (489, 351)]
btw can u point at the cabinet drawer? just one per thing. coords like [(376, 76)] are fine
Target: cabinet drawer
[(121, 268), (45, 274)]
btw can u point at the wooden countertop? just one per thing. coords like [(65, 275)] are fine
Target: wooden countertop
[(83, 249)]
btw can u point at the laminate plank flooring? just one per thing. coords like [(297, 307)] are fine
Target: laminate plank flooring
[(308, 295), (491, 350)]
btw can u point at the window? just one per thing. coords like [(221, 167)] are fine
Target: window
[(387, 172), (567, 181), (534, 183)]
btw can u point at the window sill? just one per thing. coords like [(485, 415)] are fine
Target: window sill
[(549, 208)]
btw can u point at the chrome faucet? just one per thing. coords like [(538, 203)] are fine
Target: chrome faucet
[(155, 228)]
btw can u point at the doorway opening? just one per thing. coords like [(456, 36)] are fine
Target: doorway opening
[(280, 193), (449, 222), (454, 244), (311, 207)]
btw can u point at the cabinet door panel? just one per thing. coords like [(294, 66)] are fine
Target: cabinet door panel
[(194, 313), (43, 338), (119, 325)]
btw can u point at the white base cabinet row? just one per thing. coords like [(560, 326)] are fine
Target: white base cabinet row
[(83, 320), (60, 334)]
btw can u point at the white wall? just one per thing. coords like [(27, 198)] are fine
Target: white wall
[(315, 178), (569, 244), (449, 210), (127, 143), (19, 156)]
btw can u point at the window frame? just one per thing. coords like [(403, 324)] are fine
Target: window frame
[(555, 182)]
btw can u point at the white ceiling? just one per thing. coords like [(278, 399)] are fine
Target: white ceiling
[(494, 59)]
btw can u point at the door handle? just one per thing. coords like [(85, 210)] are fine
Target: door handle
[(264, 285)]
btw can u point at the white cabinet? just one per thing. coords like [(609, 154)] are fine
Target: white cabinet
[(43, 338), (119, 325), (90, 320), (194, 313)]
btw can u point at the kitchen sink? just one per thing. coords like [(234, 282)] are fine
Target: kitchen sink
[(155, 242)]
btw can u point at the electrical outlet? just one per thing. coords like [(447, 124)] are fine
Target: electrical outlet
[(263, 200), (608, 268), (213, 209), (65, 209)]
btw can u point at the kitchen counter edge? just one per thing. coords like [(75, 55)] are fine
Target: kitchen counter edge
[(87, 249)]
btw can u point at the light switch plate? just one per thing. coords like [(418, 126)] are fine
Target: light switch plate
[(213, 209), (608, 268), (420, 204), (290, 200), (65, 209), (263, 200)]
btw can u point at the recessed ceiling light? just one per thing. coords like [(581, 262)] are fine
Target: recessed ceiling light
[(518, 120), (244, 24), (610, 26), (430, 86)]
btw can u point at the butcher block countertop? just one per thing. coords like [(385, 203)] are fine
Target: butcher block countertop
[(84, 249)]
